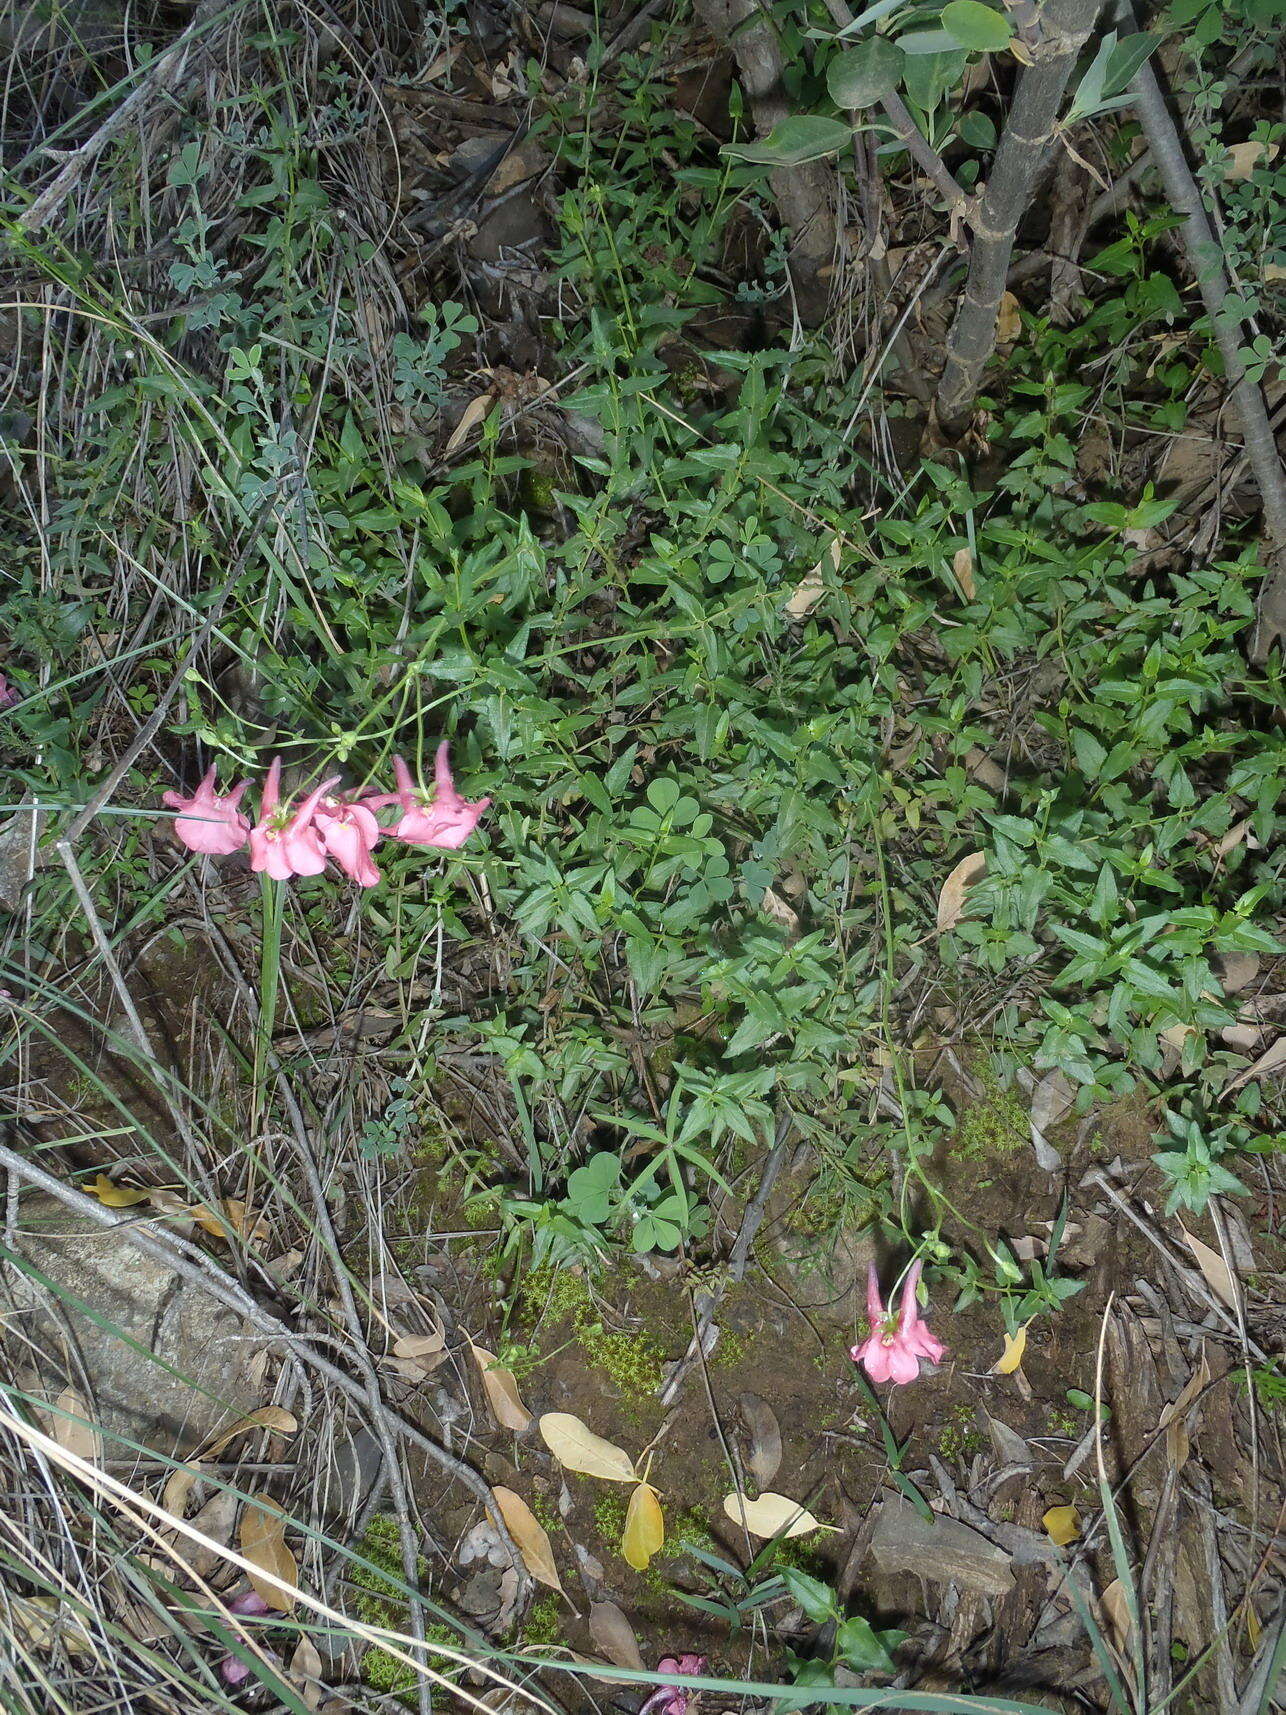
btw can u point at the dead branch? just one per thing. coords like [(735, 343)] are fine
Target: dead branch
[(1205, 256)]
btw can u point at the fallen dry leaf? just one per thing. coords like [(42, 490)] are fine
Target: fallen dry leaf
[(1009, 320), (1271, 1060), (41, 1622), (763, 1456), (306, 1670), (73, 1428), (118, 1196), (955, 889), (812, 586), (470, 417), (1174, 1418), (416, 1345), (774, 906), (418, 1355), (644, 1533), (614, 1636), (982, 767), (771, 1515), (577, 1448), (501, 1390), (1012, 1356), (231, 1217), (262, 1539), (1116, 1610), (530, 1535), (1062, 1525), (962, 566), (1218, 1276), (1245, 157), (179, 1482)]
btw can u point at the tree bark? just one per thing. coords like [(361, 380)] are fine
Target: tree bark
[(1061, 31), (806, 195)]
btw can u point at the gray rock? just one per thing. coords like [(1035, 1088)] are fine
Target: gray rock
[(827, 1273), (166, 1365), (946, 1550)]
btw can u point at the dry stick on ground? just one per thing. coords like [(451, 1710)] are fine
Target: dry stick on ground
[(1062, 30), (805, 195), (159, 78), (1206, 258)]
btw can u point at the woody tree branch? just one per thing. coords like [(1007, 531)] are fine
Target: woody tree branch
[(1205, 256), (805, 195), (1062, 29)]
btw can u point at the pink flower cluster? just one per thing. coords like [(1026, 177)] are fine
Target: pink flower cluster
[(669, 1700), (297, 840), (892, 1350)]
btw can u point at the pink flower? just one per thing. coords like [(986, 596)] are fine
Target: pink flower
[(669, 1700), (445, 819), (208, 822), (349, 832), (232, 1670), (892, 1351), (286, 843), (8, 696)]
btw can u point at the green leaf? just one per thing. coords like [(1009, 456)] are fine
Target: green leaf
[(976, 27), (977, 130), (1129, 54), (929, 76), (805, 137), (815, 1598), (862, 1647), (861, 76)]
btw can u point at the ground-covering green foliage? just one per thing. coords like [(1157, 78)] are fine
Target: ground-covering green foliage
[(746, 662), (670, 753)]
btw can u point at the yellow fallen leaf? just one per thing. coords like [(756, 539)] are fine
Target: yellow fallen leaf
[(263, 1542), (771, 1515), (953, 898), (1062, 1525), (501, 1390), (644, 1533), (118, 1196), (229, 1218), (1012, 1356), (530, 1536), (577, 1448)]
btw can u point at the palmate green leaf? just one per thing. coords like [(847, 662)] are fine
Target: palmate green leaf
[(804, 137), (976, 27), (861, 76)]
